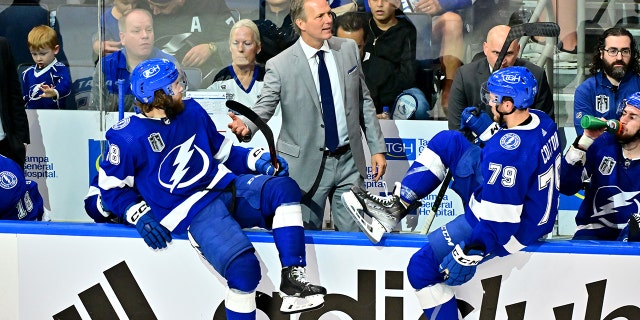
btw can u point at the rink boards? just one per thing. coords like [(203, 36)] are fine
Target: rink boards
[(89, 271)]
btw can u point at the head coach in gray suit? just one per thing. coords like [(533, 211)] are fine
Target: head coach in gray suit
[(465, 90), (323, 169)]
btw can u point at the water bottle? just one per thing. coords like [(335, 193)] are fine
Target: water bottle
[(590, 122), (386, 115)]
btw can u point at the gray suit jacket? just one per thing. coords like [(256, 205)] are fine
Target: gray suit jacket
[(465, 90), (288, 80)]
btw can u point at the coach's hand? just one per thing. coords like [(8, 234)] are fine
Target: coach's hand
[(239, 128), (154, 234), (460, 265), (478, 122)]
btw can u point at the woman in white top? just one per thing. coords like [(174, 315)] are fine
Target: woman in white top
[(243, 79)]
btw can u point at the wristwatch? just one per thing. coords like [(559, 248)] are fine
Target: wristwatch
[(212, 47)]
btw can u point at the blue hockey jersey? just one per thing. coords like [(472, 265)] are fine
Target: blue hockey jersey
[(176, 167), (518, 201), (55, 75), (597, 97), (612, 195), (19, 197)]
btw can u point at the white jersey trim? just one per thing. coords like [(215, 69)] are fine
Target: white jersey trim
[(434, 295), (288, 216), (109, 182), (513, 245), (496, 212), (433, 162), (171, 220)]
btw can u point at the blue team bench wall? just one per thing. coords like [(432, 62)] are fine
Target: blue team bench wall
[(86, 270), (407, 240)]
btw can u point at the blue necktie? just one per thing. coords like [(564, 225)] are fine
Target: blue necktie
[(328, 110)]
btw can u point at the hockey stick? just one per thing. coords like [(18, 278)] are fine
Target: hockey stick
[(547, 29), (262, 126), (543, 29)]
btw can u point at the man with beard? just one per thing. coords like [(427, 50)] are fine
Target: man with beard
[(611, 163), (170, 172), (615, 69), (136, 36)]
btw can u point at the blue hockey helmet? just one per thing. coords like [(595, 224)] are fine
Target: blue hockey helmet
[(151, 75), (515, 82), (633, 100)]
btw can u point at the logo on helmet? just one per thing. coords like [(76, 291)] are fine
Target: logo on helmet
[(511, 78), (151, 72)]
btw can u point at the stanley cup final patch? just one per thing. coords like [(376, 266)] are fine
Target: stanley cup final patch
[(606, 166), (155, 140), (602, 103)]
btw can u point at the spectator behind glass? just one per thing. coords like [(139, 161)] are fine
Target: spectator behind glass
[(324, 169), (447, 30), (47, 84), (19, 197), (243, 79), (353, 25), (136, 36), (109, 27), (14, 125), (276, 29), (607, 166), (465, 91), (614, 69), (16, 22), (192, 31), (392, 38)]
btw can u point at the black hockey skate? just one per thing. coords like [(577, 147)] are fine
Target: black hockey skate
[(297, 293), (634, 228), (385, 211)]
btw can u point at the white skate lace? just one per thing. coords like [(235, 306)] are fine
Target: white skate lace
[(298, 274), (386, 200)]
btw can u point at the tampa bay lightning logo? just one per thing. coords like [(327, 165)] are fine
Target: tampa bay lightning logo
[(611, 200), (183, 166), (510, 141), (121, 124), (8, 180)]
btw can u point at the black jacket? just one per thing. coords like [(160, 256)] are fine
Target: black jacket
[(396, 46), (12, 111)]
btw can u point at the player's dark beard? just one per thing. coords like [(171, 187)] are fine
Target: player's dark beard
[(616, 69), (627, 140), (174, 109)]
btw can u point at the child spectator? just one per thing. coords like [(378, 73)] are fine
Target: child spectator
[(46, 84)]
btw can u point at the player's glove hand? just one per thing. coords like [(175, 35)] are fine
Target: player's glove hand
[(259, 160), (460, 265), (154, 234), (479, 123)]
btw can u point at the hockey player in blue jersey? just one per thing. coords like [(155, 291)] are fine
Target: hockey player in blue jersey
[(169, 171), (607, 165), (47, 84), (19, 197), (510, 189)]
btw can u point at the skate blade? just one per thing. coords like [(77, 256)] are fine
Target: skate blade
[(291, 304), (372, 229)]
